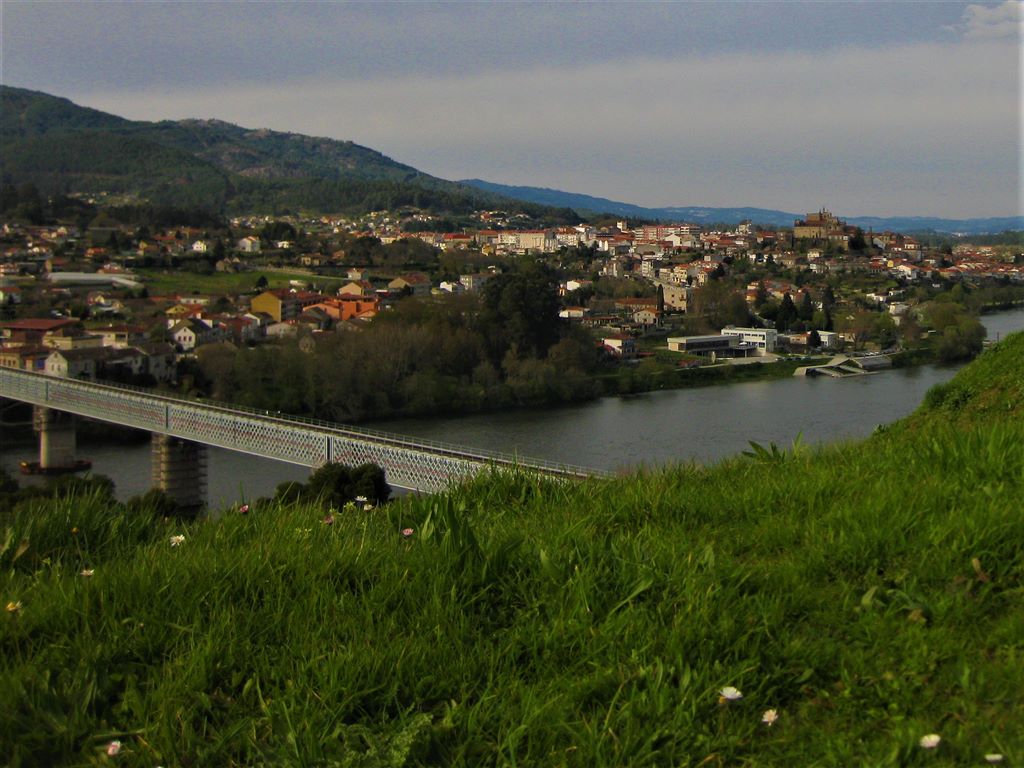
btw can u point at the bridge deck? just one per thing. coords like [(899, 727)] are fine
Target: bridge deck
[(417, 464)]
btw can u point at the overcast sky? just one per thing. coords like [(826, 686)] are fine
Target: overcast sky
[(867, 108)]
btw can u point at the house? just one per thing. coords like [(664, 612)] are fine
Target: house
[(620, 345), (647, 317), (534, 240), (71, 337), (346, 307), (282, 330), (191, 333), (121, 335), (453, 240), (159, 360), (573, 285), (25, 357), (283, 304), (829, 339), (676, 297), (415, 284), (75, 363), (249, 245), (475, 282), (30, 331), (357, 288), (573, 313)]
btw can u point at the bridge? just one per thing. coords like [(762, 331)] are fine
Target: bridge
[(182, 429)]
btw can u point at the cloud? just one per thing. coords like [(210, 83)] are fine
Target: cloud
[(983, 22)]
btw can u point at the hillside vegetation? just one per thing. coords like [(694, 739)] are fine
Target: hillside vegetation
[(870, 594), (61, 147)]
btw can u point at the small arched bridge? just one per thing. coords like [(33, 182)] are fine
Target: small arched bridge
[(413, 464)]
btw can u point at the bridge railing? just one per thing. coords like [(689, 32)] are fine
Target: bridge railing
[(54, 392)]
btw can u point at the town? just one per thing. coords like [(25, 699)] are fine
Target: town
[(638, 304)]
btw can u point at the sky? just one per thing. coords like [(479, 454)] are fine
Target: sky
[(865, 108)]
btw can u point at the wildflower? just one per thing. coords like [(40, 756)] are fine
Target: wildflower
[(993, 758), (361, 499), (728, 694), (328, 519), (87, 572), (14, 606), (407, 532), (177, 541), (367, 507), (931, 741), (769, 717), (74, 531), (113, 748), (244, 509)]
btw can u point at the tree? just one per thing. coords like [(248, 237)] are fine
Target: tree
[(787, 314), (858, 326), (762, 297), (261, 282), (857, 241), (521, 310), (336, 484), (806, 309), (828, 298), (720, 305)]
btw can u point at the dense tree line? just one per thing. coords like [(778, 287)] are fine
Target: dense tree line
[(455, 354)]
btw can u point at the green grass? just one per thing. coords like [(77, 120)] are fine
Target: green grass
[(159, 281), (871, 593)]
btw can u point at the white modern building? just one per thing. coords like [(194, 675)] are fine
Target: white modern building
[(764, 339)]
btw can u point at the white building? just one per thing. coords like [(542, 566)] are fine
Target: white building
[(765, 339)]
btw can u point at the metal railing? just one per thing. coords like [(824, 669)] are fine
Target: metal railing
[(427, 464)]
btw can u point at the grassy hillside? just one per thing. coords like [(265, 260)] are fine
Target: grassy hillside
[(870, 594)]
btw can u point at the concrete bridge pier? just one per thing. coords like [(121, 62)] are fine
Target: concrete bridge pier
[(179, 470), (56, 431)]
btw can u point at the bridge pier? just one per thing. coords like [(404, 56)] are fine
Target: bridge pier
[(179, 470), (57, 443)]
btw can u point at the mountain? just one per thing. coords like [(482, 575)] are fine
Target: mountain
[(586, 204), (62, 147)]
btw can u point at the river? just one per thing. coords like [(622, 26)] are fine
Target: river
[(703, 425)]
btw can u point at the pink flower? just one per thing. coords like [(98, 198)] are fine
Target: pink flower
[(407, 532), (113, 748), (328, 520), (244, 509)]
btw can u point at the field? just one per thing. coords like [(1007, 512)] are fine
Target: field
[(791, 607), (160, 282)]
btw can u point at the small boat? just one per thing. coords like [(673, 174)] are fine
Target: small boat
[(33, 468)]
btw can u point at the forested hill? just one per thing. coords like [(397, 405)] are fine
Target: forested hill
[(62, 147)]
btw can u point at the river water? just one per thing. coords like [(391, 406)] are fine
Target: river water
[(703, 425)]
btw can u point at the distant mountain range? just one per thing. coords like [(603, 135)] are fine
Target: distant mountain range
[(62, 147), (587, 205)]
